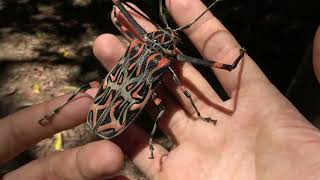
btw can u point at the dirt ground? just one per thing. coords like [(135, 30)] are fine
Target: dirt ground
[(45, 52)]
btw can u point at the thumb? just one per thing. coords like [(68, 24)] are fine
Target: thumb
[(93, 161)]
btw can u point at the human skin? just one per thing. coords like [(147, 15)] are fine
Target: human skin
[(259, 134), (316, 54)]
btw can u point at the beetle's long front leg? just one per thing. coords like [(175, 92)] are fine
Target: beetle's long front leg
[(210, 63), (158, 102), (188, 95), (46, 119), (122, 25), (132, 24), (161, 14)]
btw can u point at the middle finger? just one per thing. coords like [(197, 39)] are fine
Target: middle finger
[(215, 42)]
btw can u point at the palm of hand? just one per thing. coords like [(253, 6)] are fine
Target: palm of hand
[(254, 144)]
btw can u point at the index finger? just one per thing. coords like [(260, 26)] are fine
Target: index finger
[(21, 130), (214, 42)]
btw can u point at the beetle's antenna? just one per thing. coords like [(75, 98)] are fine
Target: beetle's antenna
[(190, 24)]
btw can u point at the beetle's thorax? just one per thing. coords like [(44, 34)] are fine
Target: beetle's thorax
[(163, 40)]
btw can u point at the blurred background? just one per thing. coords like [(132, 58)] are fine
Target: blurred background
[(46, 51)]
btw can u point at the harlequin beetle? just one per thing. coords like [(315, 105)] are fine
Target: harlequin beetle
[(125, 91)]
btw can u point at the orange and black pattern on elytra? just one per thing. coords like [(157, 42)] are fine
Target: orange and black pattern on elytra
[(126, 90)]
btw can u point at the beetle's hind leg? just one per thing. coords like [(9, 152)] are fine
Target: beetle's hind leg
[(46, 119), (158, 102), (211, 63), (188, 95)]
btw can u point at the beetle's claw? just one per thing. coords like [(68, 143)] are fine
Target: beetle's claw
[(46, 119), (151, 151), (209, 120)]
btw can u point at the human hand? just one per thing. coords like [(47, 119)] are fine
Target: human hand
[(259, 134), (21, 130)]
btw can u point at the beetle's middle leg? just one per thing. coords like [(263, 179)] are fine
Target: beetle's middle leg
[(158, 102), (188, 95), (46, 119)]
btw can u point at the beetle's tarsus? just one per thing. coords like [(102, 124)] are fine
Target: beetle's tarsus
[(46, 119), (209, 120), (151, 150)]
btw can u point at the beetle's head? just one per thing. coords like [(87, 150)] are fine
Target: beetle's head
[(174, 36)]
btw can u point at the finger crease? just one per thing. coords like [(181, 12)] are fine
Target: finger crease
[(51, 167), (78, 167)]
